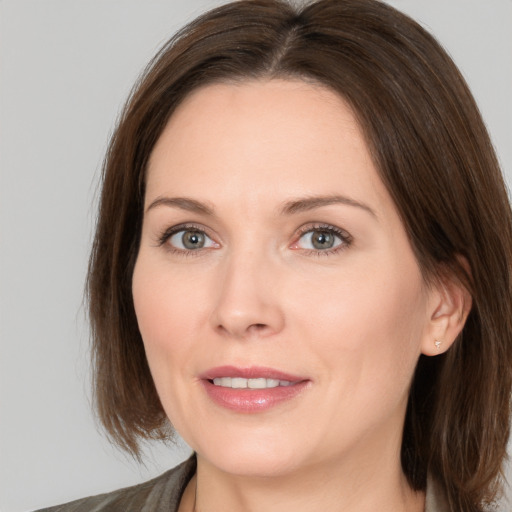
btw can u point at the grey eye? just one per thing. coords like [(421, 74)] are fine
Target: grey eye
[(319, 240), (190, 240)]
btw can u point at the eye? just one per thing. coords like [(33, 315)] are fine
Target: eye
[(322, 239), (319, 240), (190, 240)]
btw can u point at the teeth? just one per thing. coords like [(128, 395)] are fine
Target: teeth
[(257, 383), (241, 383), (238, 382)]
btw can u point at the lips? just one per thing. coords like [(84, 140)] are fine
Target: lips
[(253, 389), (252, 372)]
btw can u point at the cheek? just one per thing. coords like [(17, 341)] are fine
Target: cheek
[(167, 311), (368, 330), (167, 300), (369, 323)]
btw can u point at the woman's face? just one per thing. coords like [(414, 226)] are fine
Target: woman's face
[(273, 257)]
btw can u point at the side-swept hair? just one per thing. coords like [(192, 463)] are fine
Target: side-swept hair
[(434, 155)]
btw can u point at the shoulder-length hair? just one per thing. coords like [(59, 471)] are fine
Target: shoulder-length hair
[(433, 153)]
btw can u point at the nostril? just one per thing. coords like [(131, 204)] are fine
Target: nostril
[(259, 329)]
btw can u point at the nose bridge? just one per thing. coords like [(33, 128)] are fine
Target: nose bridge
[(247, 303)]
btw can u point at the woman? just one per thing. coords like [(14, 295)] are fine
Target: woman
[(302, 263)]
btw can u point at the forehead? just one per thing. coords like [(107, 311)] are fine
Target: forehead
[(274, 137)]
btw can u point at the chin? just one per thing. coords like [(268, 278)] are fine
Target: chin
[(256, 458), (257, 464)]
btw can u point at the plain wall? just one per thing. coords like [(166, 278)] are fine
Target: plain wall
[(66, 67)]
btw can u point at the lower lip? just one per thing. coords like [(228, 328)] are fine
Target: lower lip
[(252, 400)]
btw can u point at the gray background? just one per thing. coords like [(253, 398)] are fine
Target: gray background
[(66, 67)]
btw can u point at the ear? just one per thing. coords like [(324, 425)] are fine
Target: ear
[(449, 306)]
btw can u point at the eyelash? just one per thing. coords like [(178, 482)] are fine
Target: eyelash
[(168, 233), (344, 236)]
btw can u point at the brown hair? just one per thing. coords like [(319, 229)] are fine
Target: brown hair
[(434, 155)]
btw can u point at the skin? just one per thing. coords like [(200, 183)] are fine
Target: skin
[(353, 319)]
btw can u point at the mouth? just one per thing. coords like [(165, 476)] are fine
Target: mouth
[(241, 383), (253, 389)]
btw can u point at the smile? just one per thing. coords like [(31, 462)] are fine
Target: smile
[(242, 383), (252, 389)]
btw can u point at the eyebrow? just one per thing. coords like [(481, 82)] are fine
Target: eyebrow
[(183, 203), (310, 203), (290, 207)]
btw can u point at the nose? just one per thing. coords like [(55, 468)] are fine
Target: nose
[(248, 304)]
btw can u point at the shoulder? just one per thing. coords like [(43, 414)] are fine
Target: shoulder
[(160, 494), (435, 499)]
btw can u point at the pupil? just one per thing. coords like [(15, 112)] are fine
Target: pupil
[(322, 240), (193, 240)]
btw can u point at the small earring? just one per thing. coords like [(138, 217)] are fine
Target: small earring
[(438, 344)]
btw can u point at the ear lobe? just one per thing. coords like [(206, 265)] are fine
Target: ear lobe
[(451, 304)]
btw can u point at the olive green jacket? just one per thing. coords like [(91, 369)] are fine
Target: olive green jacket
[(163, 494)]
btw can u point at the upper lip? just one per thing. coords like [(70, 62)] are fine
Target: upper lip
[(251, 372)]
